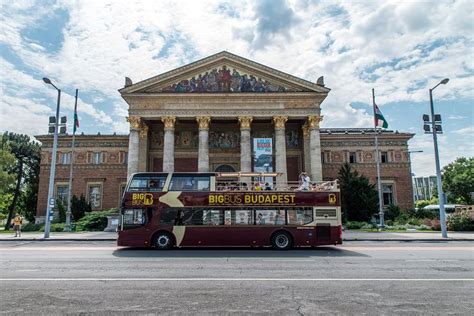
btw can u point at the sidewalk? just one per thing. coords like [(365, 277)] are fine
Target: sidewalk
[(347, 236)]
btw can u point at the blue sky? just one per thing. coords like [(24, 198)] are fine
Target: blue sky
[(399, 48)]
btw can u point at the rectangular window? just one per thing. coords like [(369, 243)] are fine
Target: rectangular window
[(189, 183), (62, 193), (65, 158), (213, 217), (352, 157), (95, 196), (299, 216), (384, 157), (322, 158), (387, 194), (243, 217), (97, 158), (147, 183), (134, 217)]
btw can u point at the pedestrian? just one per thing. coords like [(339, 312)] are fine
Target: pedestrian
[(17, 222)]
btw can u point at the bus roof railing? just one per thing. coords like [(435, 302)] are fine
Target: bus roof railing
[(248, 174)]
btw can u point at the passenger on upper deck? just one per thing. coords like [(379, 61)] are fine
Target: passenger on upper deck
[(305, 180)]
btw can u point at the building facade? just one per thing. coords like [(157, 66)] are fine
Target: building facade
[(211, 115)]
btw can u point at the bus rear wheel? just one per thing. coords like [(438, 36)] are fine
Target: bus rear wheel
[(282, 241), (163, 241)]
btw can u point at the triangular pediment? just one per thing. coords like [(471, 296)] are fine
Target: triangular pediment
[(223, 73)]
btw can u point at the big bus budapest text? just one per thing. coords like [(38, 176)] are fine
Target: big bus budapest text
[(166, 210)]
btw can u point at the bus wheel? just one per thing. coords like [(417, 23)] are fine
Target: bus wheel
[(282, 241), (163, 241)]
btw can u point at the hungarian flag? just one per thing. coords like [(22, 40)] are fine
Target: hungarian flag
[(76, 121), (379, 120)]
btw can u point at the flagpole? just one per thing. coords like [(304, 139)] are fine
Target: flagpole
[(377, 159), (67, 227)]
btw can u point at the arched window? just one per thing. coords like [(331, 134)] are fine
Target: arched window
[(225, 168)]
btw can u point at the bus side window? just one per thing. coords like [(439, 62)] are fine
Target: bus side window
[(168, 216)]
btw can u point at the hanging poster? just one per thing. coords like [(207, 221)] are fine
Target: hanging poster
[(263, 157)]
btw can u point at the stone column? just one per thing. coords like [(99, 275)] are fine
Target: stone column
[(133, 145), (280, 150), (245, 145), (203, 157), (306, 151), (168, 144), (315, 147), (143, 149)]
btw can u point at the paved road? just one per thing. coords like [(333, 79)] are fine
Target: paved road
[(358, 277)]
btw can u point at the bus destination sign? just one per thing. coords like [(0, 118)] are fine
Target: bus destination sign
[(252, 199)]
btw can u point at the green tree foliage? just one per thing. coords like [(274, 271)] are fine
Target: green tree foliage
[(420, 204), (79, 207), (61, 211), (458, 180), (7, 179), (359, 199), (28, 155)]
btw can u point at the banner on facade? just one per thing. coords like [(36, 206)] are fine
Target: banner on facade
[(263, 150)]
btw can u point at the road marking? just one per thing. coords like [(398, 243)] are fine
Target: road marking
[(231, 279), (432, 260), (292, 260)]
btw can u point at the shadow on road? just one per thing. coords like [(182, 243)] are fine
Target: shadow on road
[(237, 253)]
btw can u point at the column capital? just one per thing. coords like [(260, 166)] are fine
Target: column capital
[(135, 122), (143, 130), (314, 120), (305, 129), (203, 121), (245, 121), (280, 121), (169, 121)]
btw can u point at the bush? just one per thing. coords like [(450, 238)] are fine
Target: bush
[(95, 221), (79, 207), (355, 225), (392, 212), (31, 227), (461, 221), (61, 211)]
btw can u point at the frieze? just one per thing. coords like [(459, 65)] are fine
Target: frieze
[(362, 143), (224, 139), (225, 113)]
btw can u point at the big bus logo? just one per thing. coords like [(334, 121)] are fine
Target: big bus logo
[(142, 199), (332, 198)]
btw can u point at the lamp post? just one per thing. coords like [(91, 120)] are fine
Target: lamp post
[(51, 200), (442, 214), (411, 174)]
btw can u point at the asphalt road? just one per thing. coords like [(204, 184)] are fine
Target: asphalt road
[(356, 278)]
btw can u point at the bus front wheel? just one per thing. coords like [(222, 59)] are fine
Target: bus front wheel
[(282, 241), (163, 241)]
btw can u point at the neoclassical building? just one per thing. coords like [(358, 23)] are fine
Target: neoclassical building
[(214, 115)]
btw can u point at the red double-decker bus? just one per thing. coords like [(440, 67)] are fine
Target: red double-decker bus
[(166, 210)]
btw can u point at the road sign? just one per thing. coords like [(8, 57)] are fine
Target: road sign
[(51, 202)]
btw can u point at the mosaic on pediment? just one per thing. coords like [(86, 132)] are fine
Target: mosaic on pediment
[(224, 79), (222, 139)]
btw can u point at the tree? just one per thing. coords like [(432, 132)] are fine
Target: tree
[(7, 180), (27, 154), (359, 199), (458, 180), (79, 207)]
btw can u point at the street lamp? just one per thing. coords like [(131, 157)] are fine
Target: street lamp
[(411, 174), (51, 201), (434, 127)]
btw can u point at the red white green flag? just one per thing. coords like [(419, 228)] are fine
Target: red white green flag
[(379, 120), (76, 121)]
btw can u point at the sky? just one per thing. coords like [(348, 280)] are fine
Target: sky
[(399, 48)]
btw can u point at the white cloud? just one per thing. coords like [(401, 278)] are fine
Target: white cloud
[(400, 48)]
